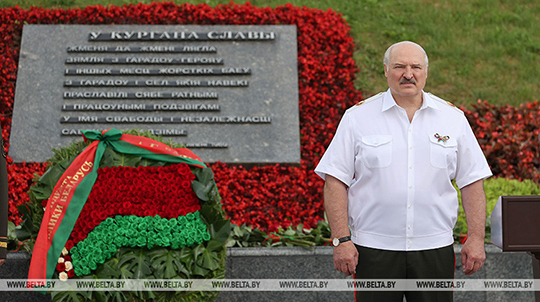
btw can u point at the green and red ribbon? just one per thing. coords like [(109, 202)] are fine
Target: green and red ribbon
[(72, 189), (441, 138)]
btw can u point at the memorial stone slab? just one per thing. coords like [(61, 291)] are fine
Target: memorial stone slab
[(229, 93)]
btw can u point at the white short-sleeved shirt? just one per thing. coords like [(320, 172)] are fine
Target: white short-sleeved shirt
[(400, 173)]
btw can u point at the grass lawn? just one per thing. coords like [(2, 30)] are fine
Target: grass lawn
[(478, 49)]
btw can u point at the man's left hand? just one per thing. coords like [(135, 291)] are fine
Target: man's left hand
[(473, 255)]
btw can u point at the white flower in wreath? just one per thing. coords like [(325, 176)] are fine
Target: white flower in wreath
[(63, 276), (64, 252), (68, 265), (61, 260)]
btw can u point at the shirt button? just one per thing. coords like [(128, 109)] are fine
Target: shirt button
[(410, 206), (410, 167), (409, 227), (410, 147), (410, 187)]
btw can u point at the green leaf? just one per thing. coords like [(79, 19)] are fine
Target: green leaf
[(220, 230), (204, 175), (202, 189), (125, 272), (145, 162), (232, 242), (25, 230), (208, 260), (100, 296), (144, 295), (209, 213), (116, 296), (108, 270), (290, 232), (166, 263), (204, 183), (70, 296), (199, 271), (140, 266), (68, 153), (11, 230), (114, 159), (43, 188), (133, 263), (214, 246), (186, 255), (198, 267)]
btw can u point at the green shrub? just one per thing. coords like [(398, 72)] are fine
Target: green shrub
[(495, 187)]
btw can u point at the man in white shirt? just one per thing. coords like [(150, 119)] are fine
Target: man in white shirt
[(388, 188)]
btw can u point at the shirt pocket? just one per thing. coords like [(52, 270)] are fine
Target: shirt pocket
[(443, 153), (377, 151)]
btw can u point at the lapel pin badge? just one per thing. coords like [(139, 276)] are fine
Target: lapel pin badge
[(443, 139)]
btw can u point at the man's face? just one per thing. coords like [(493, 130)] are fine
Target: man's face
[(407, 71)]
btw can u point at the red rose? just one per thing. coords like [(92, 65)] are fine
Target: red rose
[(60, 267), (167, 188), (71, 273), (86, 228), (186, 184), (69, 244), (111, 211), (102, 215), (151, 212), (184, 171)]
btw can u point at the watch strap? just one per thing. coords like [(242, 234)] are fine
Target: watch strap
[(344, 239), (340, 240)]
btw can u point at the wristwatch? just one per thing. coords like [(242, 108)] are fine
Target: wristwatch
[(337, 241)]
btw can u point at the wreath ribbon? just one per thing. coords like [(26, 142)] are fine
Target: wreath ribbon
[(73, 188)]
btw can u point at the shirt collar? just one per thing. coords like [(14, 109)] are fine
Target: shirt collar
[(389, 102)]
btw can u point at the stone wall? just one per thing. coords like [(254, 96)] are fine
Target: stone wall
[(299, 263)]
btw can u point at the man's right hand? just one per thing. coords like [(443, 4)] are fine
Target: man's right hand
[(346, 258)]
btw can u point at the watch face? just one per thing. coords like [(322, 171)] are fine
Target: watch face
[(335, 242)]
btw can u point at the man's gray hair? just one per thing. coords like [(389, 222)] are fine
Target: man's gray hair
[(389, 50)]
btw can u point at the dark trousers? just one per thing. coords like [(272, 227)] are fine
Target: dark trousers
[(428, 264)]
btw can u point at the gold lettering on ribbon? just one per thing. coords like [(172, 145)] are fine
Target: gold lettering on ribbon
[(60, 197)]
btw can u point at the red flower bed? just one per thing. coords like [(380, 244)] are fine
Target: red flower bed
[(509, 137), (265, 197), (274, 195)]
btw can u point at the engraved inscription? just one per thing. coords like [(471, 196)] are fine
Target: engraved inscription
[(139, 95), (145, 49), (162, 132), (182, 36), (169, 120), (155, 83), (146, 60), (231, 92), (161, 71), (141, 107)]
